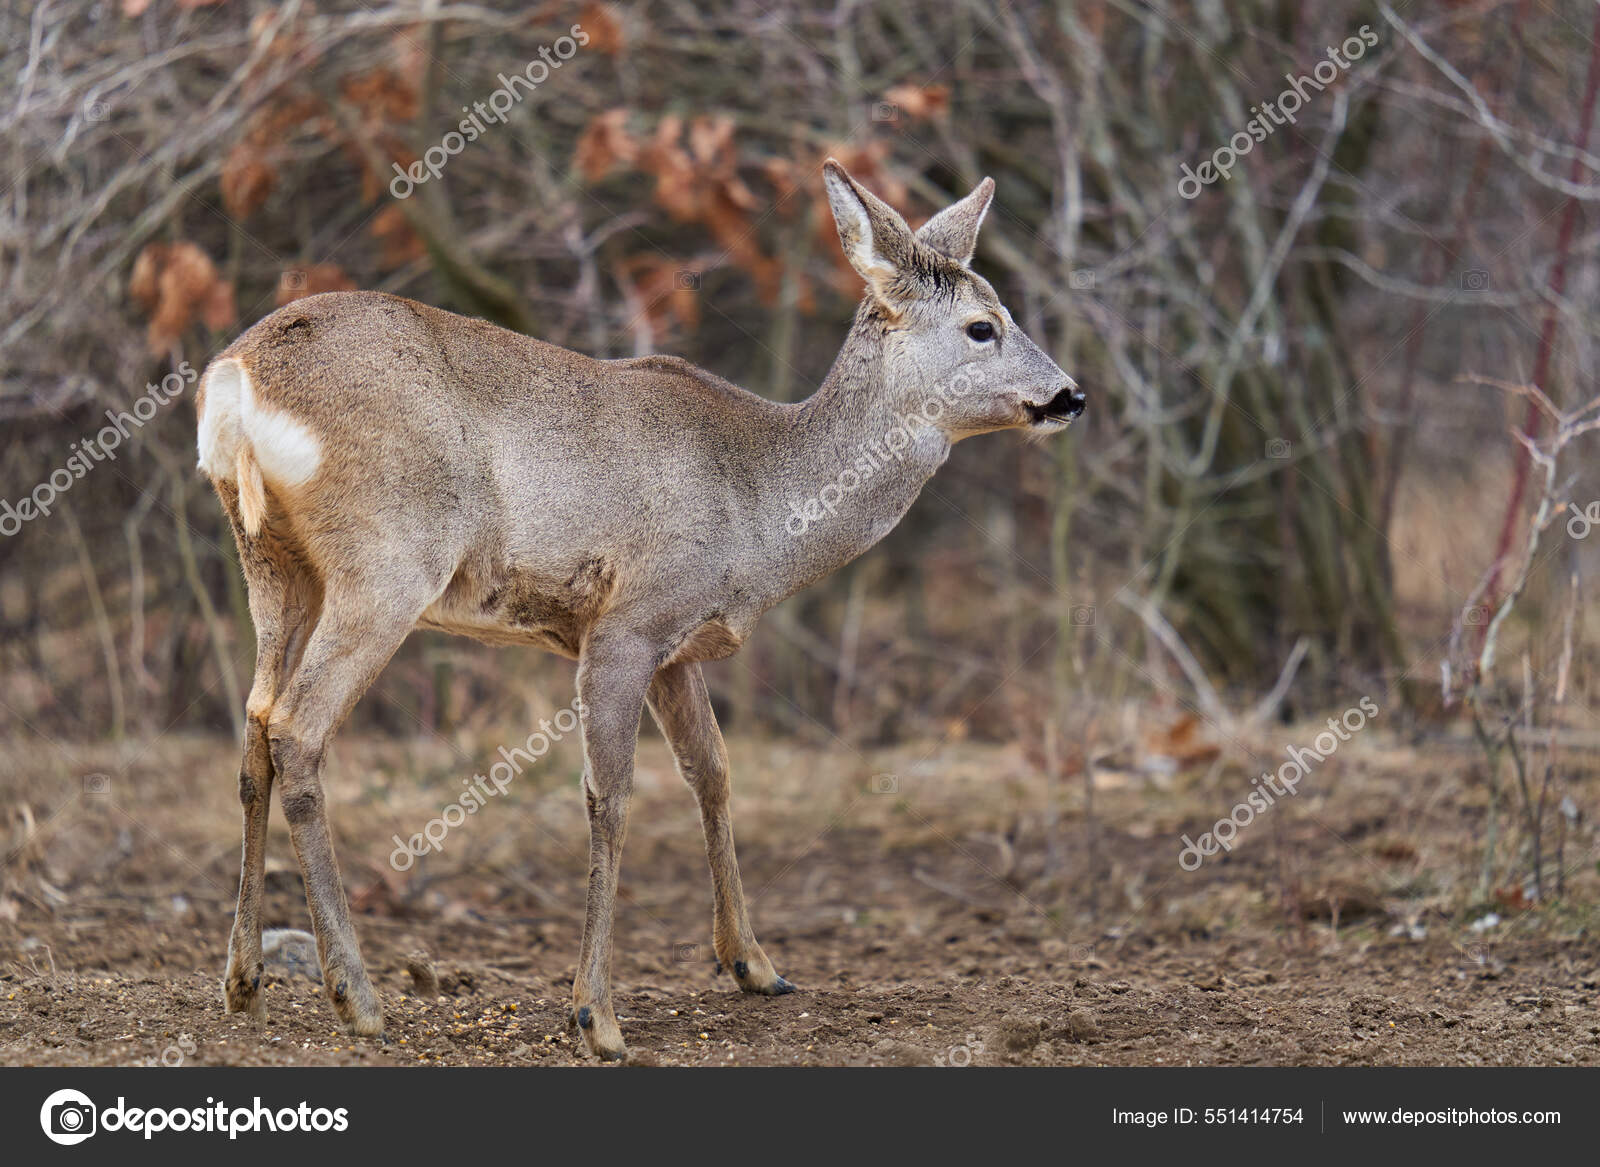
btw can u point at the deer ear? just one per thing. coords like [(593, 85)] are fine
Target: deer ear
[(954, 230), (875, 238)]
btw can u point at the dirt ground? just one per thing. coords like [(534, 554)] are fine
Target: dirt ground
[(936, 905)]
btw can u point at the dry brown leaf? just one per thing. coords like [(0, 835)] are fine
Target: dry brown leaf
[(668, 290), (783, 174), (382, 95), (711, 141), (604, 26), (699, 183), (284, 118), (297, 283), (177, 285), (731, 226), (1181, 741), (249, 172), (920, 101), (247, 180), (604, 145), (287, 39), (1512, 898), (217, 308), (144, 279), (677, 191), (400, 242)]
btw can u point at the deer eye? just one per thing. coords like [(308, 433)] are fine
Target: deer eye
[(980, 330)]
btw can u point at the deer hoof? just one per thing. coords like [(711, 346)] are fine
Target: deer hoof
[(241, 994), (366, 1025), (355, 1003), (605, 1042), (601, 1034), (768, 985)]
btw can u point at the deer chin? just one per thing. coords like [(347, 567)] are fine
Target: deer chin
[(1058, 412)]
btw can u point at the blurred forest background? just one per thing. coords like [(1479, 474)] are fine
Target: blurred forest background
[(1297, 482)]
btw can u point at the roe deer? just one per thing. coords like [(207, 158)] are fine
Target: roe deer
[(386, 465)]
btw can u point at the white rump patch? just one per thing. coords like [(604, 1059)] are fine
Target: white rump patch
[(287, 452), (285, 449), (226, 383)]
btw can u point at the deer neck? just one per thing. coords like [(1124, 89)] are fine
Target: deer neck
[(855, 460)]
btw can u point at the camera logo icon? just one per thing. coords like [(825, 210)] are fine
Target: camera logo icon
[(1583, 521), (68, 1117)]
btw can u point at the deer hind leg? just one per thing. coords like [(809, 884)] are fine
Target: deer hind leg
[(355, 636), (682, 708), (613, 674), (283, 605)]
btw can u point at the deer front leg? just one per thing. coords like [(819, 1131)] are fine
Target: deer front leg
[(612, 677), (682, 708)]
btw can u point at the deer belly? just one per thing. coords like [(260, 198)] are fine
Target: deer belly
[(521, 607)]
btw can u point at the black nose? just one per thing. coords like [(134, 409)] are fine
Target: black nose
[(1066, 405)]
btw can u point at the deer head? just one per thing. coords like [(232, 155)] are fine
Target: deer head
[(945, 336)]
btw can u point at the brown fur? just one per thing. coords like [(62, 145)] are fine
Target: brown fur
[(635, 515)]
